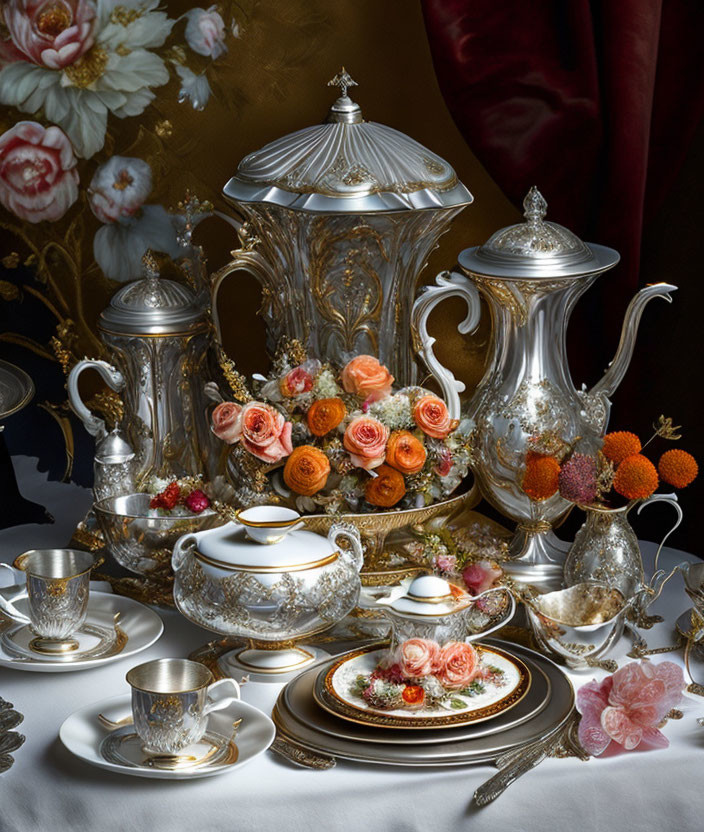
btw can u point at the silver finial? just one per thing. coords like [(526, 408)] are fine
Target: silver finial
[(534, 205), (150, 266), (343, 80)]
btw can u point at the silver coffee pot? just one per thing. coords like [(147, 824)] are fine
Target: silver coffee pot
[(531, 276), (158, 336)]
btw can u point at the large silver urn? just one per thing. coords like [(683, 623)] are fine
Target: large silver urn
[(339, 221), (531, 276), (158, 336)]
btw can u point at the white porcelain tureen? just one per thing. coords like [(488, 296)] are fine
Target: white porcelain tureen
[(266, 579)]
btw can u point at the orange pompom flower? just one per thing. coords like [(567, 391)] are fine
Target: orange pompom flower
[(405, 452), (306, 470), (620, 444), (678, 468), (541, 478), (325, 415), (386, 488), (636, 477)]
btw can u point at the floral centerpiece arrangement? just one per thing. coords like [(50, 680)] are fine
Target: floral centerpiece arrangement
[(340, 440), (421, 674), (618, 469)]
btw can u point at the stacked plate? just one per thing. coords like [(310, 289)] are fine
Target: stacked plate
[(319, 712)]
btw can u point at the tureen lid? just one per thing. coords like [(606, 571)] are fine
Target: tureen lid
[(230, 547), (151, 306), (536, 248), (347, 165), (429, 596)]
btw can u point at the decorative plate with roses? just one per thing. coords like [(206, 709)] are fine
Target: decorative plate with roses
[(341, 440), (425, 684)]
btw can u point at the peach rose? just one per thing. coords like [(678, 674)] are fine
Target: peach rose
[(419, 657), (38, 176), (405, 452), (295, 382), (265, 432), (227, 422), (459, 664), (386, 488), (325, 415), (306, 470), (432, 417), (366, 377), (365, 439)]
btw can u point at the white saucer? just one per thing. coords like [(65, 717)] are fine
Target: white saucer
[(83, 736), (141, 625)]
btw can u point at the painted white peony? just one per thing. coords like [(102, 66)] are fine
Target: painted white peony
[(205, 32), (116, 75), (119, 188)]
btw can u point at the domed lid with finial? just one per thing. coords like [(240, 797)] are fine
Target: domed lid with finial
[(347, 165), (152, 306), (536, 248)]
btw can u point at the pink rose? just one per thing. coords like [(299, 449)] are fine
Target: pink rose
[(205, 32), (38, 176), (366, 377), (119, 188), (419, 657), (295, 382), (51, 33), (459, 664), (481, 575), (628, 706), (227, 422), (365, 439), (265, 432)]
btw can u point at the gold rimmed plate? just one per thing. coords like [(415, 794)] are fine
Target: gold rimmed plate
[(333, 691)]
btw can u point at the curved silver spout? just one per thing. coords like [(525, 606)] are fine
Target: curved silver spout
[(617, 368)]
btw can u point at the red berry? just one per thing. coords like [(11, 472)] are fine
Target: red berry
[(197, 501)]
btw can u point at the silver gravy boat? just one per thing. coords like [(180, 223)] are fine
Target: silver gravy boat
[(531, 275)]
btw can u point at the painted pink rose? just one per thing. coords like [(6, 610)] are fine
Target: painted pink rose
[(366, 377), (628, 706), (51, 33), (459, 664), (481, 575), (119, 188), (295, 382), (265, 432), (205, 32), (365, 439), (38, 176), (227, 422), (419, 657)]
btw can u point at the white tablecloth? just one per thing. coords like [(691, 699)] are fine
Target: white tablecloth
[(48, 789)]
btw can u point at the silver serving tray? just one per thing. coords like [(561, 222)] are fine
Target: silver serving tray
[(305, 724), (16, 389)]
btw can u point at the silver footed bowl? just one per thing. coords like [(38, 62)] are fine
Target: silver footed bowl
[(142, 542), (580, 624)]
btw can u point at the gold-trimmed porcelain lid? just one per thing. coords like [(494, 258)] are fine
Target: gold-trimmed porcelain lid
[(347, 165), (536, 248), (229, 547), (427, 596)]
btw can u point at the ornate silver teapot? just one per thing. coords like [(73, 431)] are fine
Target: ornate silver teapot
[(531, 276), (158, 335), (340, 219)]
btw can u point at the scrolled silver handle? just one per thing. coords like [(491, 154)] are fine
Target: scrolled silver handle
[(110, 375)]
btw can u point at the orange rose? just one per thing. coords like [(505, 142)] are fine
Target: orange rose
[(386, 489), (325, 415), (306, 470), (405, 453), (365, 439), (366, 377), (432, 417)]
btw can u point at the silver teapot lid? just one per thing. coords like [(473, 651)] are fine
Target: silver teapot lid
[(347, 165), (152, 306), (536, 248), (113, 449)]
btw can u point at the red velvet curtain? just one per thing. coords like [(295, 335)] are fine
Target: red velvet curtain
[(593, 101)]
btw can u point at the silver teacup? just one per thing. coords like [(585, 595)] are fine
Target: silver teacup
[(57, 587), (579, 624), (171, 700)]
